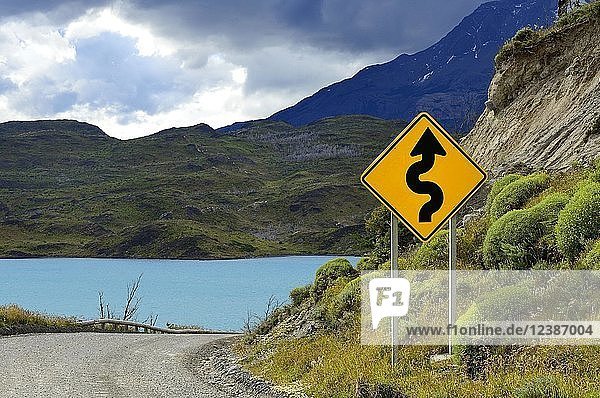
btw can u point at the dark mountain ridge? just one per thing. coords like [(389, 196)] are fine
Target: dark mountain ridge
[(448, 79)]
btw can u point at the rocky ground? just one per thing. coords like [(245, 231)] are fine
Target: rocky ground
[(216, 364)]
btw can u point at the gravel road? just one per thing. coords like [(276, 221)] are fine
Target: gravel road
[(111, 365)]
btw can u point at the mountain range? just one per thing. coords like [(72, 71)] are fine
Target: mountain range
[(448, 79)]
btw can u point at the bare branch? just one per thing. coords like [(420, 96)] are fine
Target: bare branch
[(253, 321), (132, 304), (101, 304), (151, 319)]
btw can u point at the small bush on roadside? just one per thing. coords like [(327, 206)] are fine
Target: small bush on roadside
[(540, 387), (592, 259), (340, 306), (363, 264), (378, 233), (432, 254), (330, 272), (579, 222), (349, 298), (385, 266), (377, 226), (521, 238), (516, 194), (300, 294), (329, 308), (498, 186), (474, 358), (498, 304), (470, 243)]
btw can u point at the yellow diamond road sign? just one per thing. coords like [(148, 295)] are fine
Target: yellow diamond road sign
[(423, 176)]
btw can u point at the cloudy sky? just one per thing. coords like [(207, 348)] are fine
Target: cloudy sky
[(136, 67)]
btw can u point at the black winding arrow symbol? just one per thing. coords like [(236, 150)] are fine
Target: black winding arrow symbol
[(428, 146)]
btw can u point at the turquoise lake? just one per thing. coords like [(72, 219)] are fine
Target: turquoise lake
[(215, 294)]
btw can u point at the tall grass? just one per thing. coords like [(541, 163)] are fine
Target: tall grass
[(13, 315)]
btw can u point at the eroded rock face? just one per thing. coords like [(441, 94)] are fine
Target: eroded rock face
[(543, 109)]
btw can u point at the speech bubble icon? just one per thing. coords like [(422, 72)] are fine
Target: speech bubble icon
[(388, 297)]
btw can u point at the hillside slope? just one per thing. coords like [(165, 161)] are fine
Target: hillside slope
[(449, 79), (544, 101), (68, 189)]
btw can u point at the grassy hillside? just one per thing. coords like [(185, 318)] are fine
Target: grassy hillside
[(67, 189), (536, 221)]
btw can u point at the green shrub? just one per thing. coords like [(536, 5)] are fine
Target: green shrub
[(367, 264), (300, 294), (330, 272), (377, 227), (585, 11), (579, 222), (498, 186), (502, 303), (385, 266), (470, 243), (592, 258), (432, 254), (521, 238), (330, 308), (540, 387), (378, 233), (345, 305), (516, 194), (474, 358), (525, 37), (350, 297)]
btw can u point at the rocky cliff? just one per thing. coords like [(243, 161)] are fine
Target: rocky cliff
[(543, 107)]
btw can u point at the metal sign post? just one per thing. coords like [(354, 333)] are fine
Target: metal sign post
[(451, 277), (422, 163), (394, 274)]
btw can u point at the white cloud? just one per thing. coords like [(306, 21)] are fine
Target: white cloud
[(207, 106), (27, 51), (131, 79), (97, 21)]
